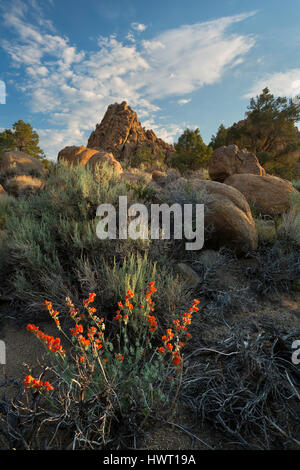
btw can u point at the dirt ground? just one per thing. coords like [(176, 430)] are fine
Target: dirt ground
[(23, 353)]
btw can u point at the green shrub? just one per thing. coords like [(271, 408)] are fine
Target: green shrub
[(146, 159), (6, 206), (141, 191), (103, 389), (191, 152), (111, 278), (283, 167), (48, 233), (290, 226), (51, 248), (296, 184), (266, 229)]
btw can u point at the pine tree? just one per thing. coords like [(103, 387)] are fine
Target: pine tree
[(220, 138), (22, 137), (191, 152), (27, 139), (269, 125)]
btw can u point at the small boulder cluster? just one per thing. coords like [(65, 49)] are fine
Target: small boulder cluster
[(241, 169), (88, 157)]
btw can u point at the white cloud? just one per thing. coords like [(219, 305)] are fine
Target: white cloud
[(2, 92), (184, 101), (280, 84), (152, 45), (192, 56), (130, 37), (56, 139), (73, 88), (37, 71), (165, 132), (138, 27)]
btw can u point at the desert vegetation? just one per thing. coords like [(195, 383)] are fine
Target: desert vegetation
[(151, 336)]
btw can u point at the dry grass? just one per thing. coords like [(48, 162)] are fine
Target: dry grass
[(266, 229), (290, 225), (22, 184)]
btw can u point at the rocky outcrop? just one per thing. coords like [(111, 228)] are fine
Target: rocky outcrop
[(162, 179), (19, 163), (100, 158), (200, 174), (69, 154), (130, 178), (227, 212), (159, 176), (268, 194), (189, 275), (121, 133), (88, 157), (228, 161)]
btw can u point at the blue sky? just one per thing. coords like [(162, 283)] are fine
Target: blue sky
[(179, 64)]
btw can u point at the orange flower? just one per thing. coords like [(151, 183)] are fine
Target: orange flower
[(31, 328), (152, 322), (176, 359), (52, 343), (76, 330), (118, 317), (48, 386), (85, 342), (31, 382), (98, 344), (168, 337), (92, 332), (72, 310), (120, 357), (53, 313), (89, 300), (28, 381), (37, 383)]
